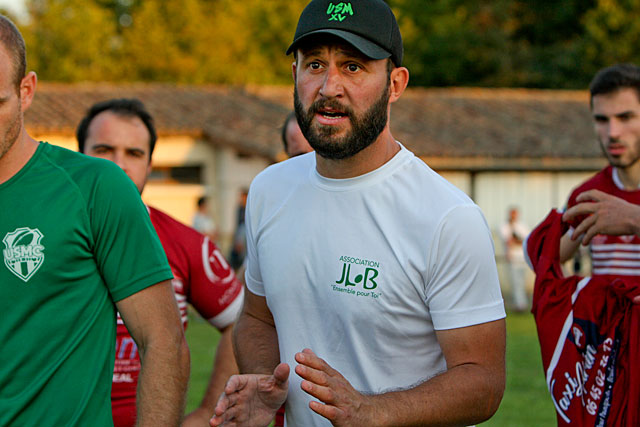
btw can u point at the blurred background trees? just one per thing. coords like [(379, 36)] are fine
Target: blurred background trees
[(497, 43)]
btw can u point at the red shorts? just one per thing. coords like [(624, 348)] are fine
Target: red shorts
[(279, 421)]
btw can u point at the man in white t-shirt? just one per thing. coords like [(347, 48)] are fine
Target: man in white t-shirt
[(368, 274), (202, 221), (513, 233)]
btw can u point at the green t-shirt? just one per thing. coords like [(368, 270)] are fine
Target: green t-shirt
[(75, 237)]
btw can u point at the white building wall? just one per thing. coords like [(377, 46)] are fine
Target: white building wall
[(233, 174), (534, 193)]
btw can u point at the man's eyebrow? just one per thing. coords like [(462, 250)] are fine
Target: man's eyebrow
[(311, 51), (101, 145), (350, 51), (136, 150)]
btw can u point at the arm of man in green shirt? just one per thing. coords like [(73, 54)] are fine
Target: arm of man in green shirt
[(152, 318)]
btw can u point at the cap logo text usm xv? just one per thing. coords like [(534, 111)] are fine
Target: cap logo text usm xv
[(338, 12)]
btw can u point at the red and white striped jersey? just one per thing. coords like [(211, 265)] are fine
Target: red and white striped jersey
[(202, 278), (611, 255)]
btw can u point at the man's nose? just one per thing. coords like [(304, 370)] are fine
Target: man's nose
[(332, 86)]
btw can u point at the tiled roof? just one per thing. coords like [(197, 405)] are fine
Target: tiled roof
[(503, 126), (470, 128), (498, 122), (222, 115)]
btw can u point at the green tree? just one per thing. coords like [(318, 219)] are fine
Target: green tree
[(269, 34), (545, 44), (612, 31), (494, 43), (453, 42), (70, 40), (186, 41)]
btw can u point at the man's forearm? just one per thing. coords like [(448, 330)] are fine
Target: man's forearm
[(163, 383), (568, 247), (464, 395), (468, 392), (153, 320), (255, 343)]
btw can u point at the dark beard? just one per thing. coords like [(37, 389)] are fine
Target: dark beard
[(617, 163), (364, 129)]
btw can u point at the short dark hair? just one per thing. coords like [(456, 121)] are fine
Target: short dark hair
[(290, 116), (127, 107), (201, 201), (14, 44), (613, 78)]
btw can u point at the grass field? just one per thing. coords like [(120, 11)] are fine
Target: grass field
[(526, 401)]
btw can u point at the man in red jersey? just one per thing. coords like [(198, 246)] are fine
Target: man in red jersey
[(615, 108), (121, 130)]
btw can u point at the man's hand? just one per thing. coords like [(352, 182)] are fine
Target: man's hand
[(251, 400), (339, 402), (607, 214)]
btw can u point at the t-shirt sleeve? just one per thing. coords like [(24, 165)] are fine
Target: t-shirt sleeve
[(126, 247), (214, 290), (463, 287), (252, 275)]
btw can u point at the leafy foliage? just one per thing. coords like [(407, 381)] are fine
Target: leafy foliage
[(546, 44), (494, 43), (71, 40), (186, 41)]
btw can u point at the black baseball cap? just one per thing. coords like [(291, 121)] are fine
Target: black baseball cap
[(368, 25)]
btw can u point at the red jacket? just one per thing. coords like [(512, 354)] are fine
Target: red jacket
[(589, 336)]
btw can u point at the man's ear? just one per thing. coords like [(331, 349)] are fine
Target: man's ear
[(399, 81), (27, 89), (294, 67)]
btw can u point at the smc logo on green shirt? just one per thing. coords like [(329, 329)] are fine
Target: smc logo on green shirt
[(23, 254)]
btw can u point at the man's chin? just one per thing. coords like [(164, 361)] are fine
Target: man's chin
[(326, 130), (621, 164), (329, 136)]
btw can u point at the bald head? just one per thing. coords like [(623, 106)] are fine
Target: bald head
[(294, 141)]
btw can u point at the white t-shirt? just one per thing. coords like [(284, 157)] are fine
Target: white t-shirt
[(203, 223), (363, 270)]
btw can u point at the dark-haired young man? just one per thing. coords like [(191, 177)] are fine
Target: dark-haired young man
[(368, 274), (72, 253), (121, 130), (615, 108)]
